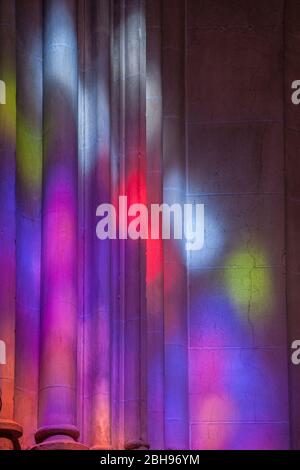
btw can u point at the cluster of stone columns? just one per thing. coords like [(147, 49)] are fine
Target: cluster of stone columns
[(80, 141)]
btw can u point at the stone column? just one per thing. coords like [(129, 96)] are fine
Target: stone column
[(132, 171), (58, 342), (95, 189), (174, 191), (9, 430), (28, 215), (155, 271), (117, 251), (100, 334)]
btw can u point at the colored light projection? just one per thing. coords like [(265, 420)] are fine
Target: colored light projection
[(248, 281), (212, 376), (234, 364)]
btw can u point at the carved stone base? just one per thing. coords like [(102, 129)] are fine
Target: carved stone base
[(11, 432), (60, 445), (63, 437)]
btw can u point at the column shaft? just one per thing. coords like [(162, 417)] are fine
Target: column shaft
[(101, 314), (154, 278), (174, 187), (9, 431), (135, 190), (58, 361), (29, 193)]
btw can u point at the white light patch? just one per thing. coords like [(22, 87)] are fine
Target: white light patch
[(61, 49), (2, 353), (2, 92)]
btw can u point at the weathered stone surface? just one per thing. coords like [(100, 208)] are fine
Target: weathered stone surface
[(235, 158), (237, 436), (234, 385), (234, 76)]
